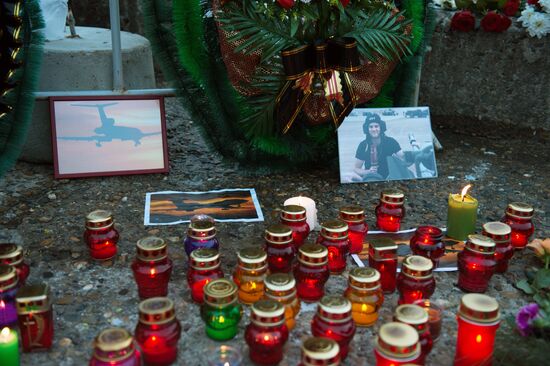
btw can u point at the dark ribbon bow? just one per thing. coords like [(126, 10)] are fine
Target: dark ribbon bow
[(327, 62)]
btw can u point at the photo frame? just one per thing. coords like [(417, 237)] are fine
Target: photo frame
[(105, 136), (381, 144)]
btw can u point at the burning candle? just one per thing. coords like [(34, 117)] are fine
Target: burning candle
[(383, 258), (152, 267), (101, 235), (309, 205), (281, 287), (35, 317), (204, 267), (224, 356), (397, 345), (221, 312), (311, 272), (434, 316), (461, 215), (295, 217), (250, 274), (320, 351), (115, 347), (476, 263), (416, 280), (354, 216), (416, 317), (158, 331), (390, 211), (279, 248), (9, 347), (500, 233), (519, 216), (12, 255), (201, 234), (8, 289), (334, 236), (365, 294), (427, 241), (478, 320)]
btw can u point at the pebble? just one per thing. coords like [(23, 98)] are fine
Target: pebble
[(65, 342), (88, 287), (45, 219), (52, 196), (124, 199)]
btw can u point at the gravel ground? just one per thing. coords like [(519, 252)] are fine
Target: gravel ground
[(47, 216)]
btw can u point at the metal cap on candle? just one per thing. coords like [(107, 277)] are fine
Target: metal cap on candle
[(99, 219), (204, 258), (417, 266), (335, 229), (479, 308), (252, 257), (11, 254), (398, 340), (280, 282), (383, 248), (113, 344), (151, 249), (352, 214), (498, 231), (393, 197), (364, 278), (293, 213), (8, 277), (202, 228), (480, 244), (411, 314), (268, 313), (33, 299), (220, 292), (317, 349), (334, 309), (313, 254), (156, 310), (278, 234), (520, 210)]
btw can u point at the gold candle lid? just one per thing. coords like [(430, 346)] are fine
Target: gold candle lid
[(313, 254), (392, 196), (320, 349), (334, 229), (498, 231), (398, 340), (480, 244), (252, 255), (156, 310), (113, 344), (479, 308), (202, 229), (352, 213), (278, 234), (364, 278), (99, 219), (280, 282), (293, 213), (267, 312), (205, 258), (335, 309), (33, 299), (8, 277), (417, 266), (11, 254), (220, 292), (520, 210), (411, 314), (151, 249)]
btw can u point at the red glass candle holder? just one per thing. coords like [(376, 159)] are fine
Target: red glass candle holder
[(204, 267), (158, 331), (250, 274), (519, 217), (333, 320), (390, 211), (12, 255), (221, 312), (267, 333), (311, 272), (201, 234), (354, 216), (383, 258), (115, 347), (365, 294), (334, 236), (320, 351), (8, 288), (295, 218), (397, 344), (416, 317), (35, 317), (281, 287), (101, 235), (478, 320), (416, 280), (476, 263), (427, 241), (152, 267), (501, 234), (279, 248)]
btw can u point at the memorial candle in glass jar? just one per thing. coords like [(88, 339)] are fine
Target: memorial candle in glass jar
[(390, 211), (152, 267), (201, 234), (383, 258), (279, 248), (220, 311), (416, 280), (250, 274), (333, 320), (281, 287), (101, 235), (519, 216), (334, 236), (500, 233), (115, 347), (320, 351), (35, 317), (397, 344), (416, 317), (478, 320), (476, 263), (365, 294), (12, 255), (461, 214), (354, 216), (427, 241), (267, 333), (8, 288), (311, 272), (294, 216), (158, 331), (204, 267)]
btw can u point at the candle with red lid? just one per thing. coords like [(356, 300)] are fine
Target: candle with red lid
[(390, 211), (35, 317), (158, 331), (295, 217), (500, 233), (320, 351), (311, 272), (12, 255), (461, 215), (281, 287), (333, 320), (519, 217), (279, 248), (101, 235), (250, 274), (416, 317), (334, 236), (397, 344), (383, 258), (476, 263), (478, 320), (427, 241), (416, 280), (115, 347), (204, 267), (8, 288), (201, 234), (354, 216), (152, 267)]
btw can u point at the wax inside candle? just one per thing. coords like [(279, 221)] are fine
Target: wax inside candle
[(461, 216), (9, 347)]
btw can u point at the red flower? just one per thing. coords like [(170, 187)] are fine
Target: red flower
[(344, 2), (286, 4), (495, 22), (463, 21), (511, 7)]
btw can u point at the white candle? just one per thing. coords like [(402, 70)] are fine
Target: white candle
[(309, 205)]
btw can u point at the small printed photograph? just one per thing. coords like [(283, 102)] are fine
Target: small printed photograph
[(95, 136), (386, 144), (226, 205)]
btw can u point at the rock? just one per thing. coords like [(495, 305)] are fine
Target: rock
[(65, 342)]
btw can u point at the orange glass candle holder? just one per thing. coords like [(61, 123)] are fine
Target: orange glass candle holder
[(334, 236), (12, 254), (320, 351), (501, 234), (279, 248), (152, 268), (519, 217), (354, 216), (390, 211), (476, 263), (35, 317), (294, 216), (416, 317), (250, 274), (204, 267), (478, 320), (311, 272), (383, 258), (397, 344), (416, 280), (365, 294), (281, 287), (115, 347), (101, 235)]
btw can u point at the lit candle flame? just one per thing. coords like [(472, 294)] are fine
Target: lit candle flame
[(4, 335), (153, 271), (478, 338), (464, 191), (2, 305)]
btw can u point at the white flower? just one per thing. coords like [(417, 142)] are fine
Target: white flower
[(526, 15), (545, 5), (539, 25)]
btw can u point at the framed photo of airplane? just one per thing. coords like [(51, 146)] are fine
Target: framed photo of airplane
[(102, 136)]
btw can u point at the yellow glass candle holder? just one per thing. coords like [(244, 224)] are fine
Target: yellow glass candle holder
[(250, 274)]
